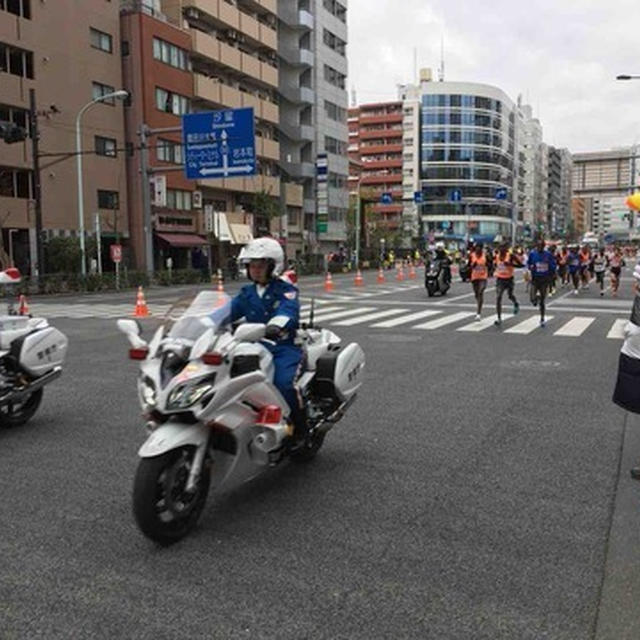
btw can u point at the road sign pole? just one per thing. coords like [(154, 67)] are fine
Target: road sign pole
[(98, 244), (358, 205), (146, 199)]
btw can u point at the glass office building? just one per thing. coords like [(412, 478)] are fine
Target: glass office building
[(468, 161)]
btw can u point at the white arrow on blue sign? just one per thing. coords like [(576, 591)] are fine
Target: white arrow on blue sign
[(219, 144), (418, 197), (456, 195), (501, 194), (386, 198)]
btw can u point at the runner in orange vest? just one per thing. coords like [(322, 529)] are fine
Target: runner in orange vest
[(585, 261), (479, 274), (616, 263), (504, 264)]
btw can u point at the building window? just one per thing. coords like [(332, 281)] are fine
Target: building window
[(334, 77), (17, 62), (108, 199), (170, 102), (101, 40), (178, 199), (337, 180), (20, 8), (336, 214), (170, 54), (336, 9), (332, 145), (169, 151), (15, 183), (18, 116), (335, 112), (333, 42), (99, 90), (106, 147)]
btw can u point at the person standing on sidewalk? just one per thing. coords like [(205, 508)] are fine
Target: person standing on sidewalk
[(479, 274), (505, 262), (542, 266)]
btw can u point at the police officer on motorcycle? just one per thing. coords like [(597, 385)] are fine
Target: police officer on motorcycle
[(273, 301)]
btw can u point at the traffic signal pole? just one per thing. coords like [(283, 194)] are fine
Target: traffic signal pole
[(37, 186)]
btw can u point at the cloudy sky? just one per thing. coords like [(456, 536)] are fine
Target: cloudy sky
[(561, 55)]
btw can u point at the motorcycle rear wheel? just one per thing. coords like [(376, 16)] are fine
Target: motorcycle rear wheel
[(163, 510), (15, 414), (309, 450)]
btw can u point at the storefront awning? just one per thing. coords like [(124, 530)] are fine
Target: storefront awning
[(241, 233), (183, 239)]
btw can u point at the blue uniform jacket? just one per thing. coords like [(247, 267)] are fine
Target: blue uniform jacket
[(541, 264), (279, 305)]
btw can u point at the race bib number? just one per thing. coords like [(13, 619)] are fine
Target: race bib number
[(542, 267)]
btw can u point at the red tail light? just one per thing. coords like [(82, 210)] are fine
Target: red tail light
[(138, 354), (212, 358), (271, 414)]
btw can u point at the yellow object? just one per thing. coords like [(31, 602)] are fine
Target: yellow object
[(633, 201)]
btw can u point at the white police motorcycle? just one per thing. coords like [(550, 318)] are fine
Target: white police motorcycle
[(31, 356), (213, 412)]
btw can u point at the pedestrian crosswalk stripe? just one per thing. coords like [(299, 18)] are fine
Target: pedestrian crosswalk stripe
[(527, 326), (343, 314), (484, 323), (575, 327), (617, 330), (369, 317), (307, 312), (441, 322), (394, 322)]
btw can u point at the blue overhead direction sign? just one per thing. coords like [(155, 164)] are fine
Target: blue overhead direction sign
[(455, 195), (219, 144), (501, 193), (386, 198)]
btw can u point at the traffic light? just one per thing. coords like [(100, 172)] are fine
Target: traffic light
[(12, 133)]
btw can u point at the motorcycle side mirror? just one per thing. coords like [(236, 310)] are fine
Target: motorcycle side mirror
[(132, 330), (250, 332), (202, 344)]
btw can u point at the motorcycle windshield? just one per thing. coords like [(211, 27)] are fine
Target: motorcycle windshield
[(191, 316)]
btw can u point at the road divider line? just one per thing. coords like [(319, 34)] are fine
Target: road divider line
[(441, 322), (485, 323), (368, 317), (342, 314), (529, 325), (617, 330), (575, 327), (405, 319)]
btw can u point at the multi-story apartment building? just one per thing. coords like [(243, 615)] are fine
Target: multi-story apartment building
[(313, 123), (602, 179), (40, 49), (533, 199), (470, 161), (579, 216)]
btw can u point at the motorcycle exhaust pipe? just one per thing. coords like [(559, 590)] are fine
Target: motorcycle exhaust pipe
[(17, 396), (329, 422)]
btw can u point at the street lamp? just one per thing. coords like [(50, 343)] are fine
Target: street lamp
[(121, 95)]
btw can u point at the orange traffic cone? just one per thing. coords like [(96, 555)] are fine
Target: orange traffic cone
[(380, 278), (141, 311), (358, 282), (222, 296), (412, 272), (23, 308), (400, 273), (328, 283)]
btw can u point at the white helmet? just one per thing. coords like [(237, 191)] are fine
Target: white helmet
[(440, 245), (264, 249)]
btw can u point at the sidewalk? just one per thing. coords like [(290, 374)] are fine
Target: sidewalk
[(619, 610)]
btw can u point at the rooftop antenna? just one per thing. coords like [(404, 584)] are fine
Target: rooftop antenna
[(441, 69)]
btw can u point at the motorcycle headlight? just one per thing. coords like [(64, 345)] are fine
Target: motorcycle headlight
[(147, 392), (187, 395)]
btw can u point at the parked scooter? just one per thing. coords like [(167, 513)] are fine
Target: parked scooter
[(212, 410), (31, 356)]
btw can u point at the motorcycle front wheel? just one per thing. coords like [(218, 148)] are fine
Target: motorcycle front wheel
[(15, 414), (164, 511)]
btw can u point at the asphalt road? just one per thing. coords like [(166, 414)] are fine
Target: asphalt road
[(474, 490)]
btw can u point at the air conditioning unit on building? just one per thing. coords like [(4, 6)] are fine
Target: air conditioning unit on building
[(232, 34), (193, 13), (196, 199), (242, 38)]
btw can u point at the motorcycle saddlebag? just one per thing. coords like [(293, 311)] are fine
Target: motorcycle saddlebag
[(339, 373)]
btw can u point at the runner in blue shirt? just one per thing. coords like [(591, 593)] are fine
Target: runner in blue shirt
[(542, 266)]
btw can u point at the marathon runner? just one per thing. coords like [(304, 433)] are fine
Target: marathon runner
[(505, 261), (600, 262), (563, 266), (479, 264), (574, 268), (585, 261), (616, 262), (542, 266)]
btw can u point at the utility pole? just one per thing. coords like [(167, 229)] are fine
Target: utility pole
[(37, 187), (146, 198)]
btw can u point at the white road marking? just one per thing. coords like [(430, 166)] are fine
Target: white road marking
[(529, 325), (441, 322), (617, 330), (575, 327), (342, 314), (405, 319), (368, 317), (484, 323)]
